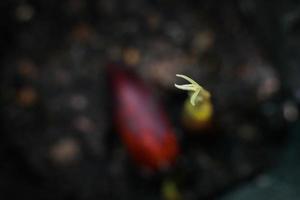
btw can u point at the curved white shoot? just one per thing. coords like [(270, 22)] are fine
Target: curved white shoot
[(198, 93)]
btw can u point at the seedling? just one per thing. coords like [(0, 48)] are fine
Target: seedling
[(197, 109)]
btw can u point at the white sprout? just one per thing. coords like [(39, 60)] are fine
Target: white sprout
[(198, 93)]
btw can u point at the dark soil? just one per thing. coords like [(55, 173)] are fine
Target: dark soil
[(58, 139)]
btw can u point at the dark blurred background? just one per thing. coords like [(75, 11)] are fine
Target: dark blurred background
[(60, 138)]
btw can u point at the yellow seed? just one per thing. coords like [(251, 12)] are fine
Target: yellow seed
[(197, 117)]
